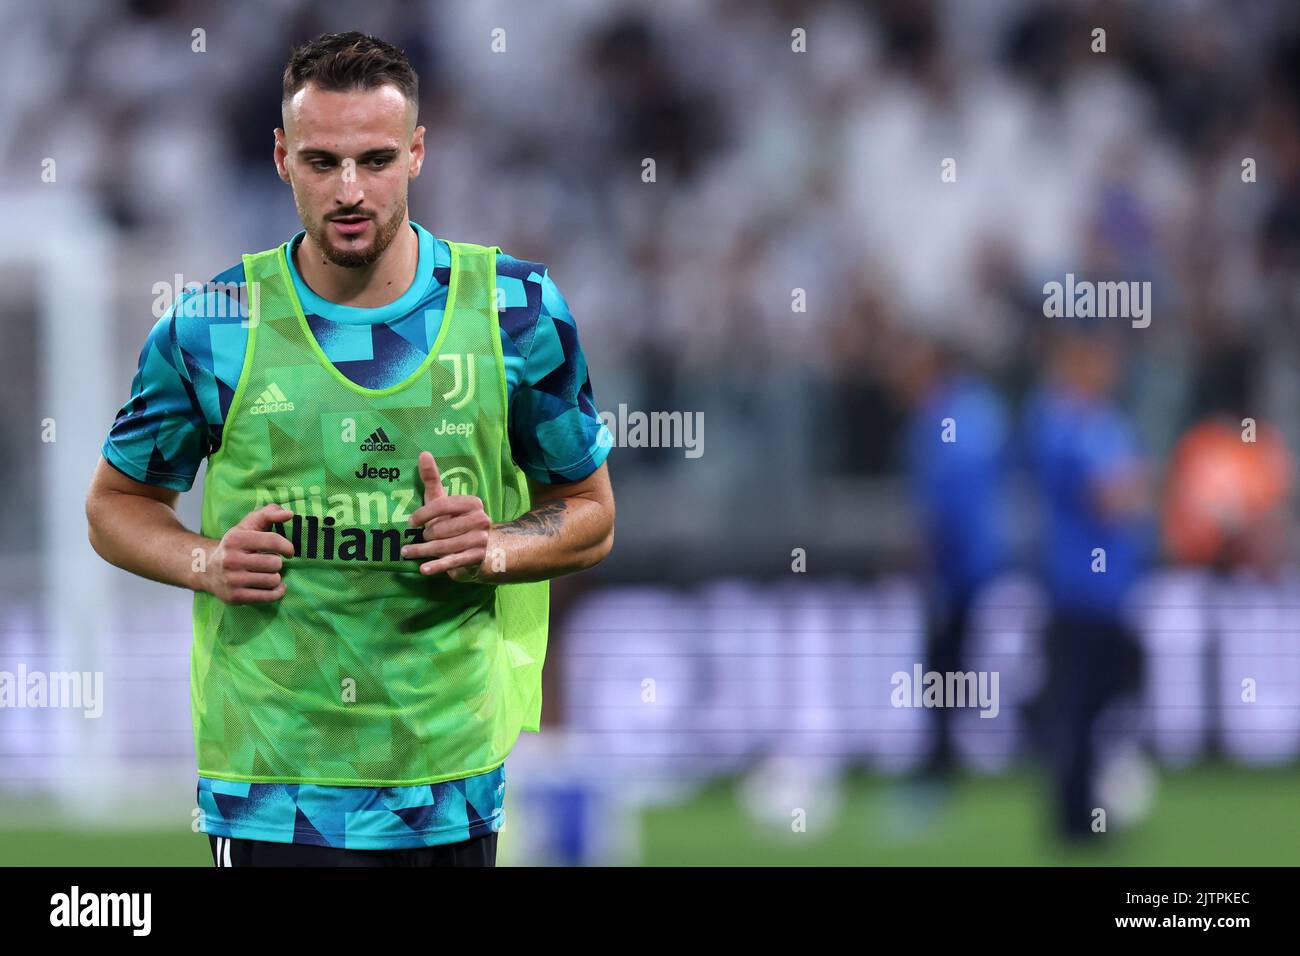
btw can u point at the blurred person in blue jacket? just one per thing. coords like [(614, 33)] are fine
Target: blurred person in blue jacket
[(1085, 456), (956, 464)]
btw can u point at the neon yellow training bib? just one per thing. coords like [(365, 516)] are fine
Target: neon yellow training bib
[(366, 672)]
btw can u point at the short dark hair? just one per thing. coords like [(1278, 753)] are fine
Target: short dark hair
[(350, 61)]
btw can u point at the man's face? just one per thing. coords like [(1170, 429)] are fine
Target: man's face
[(349, 157), (1090, 365)]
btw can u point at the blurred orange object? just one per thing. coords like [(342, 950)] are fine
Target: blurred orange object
[(1223, 491)]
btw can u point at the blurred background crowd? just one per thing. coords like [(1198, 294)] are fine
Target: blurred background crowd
[(802, 273)]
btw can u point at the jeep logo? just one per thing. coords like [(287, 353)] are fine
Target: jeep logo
[(463, 429), (386, 474)]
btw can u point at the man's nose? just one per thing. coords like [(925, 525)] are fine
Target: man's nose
[(349, 189)]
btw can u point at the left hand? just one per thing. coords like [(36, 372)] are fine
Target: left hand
[(455, 528)]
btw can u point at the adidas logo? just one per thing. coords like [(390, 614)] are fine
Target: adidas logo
[(378, 441), (271, 400)]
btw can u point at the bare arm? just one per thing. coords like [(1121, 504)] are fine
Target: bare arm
[(134, 526), (569, 528)]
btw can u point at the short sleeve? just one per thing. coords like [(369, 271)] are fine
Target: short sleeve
[(556, 433), (159, 436)]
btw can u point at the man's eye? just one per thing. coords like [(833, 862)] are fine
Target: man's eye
[(321, 164), (379, 162)]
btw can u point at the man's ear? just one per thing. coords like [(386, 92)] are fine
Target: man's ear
[(417, 151), (281, 155)]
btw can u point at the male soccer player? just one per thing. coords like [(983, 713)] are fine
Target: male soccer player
[(402, 448), (957, 457), (1085, 454)]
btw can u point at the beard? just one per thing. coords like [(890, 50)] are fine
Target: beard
[(353, 258)]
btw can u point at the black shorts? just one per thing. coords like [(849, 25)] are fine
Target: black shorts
[(480, 851)]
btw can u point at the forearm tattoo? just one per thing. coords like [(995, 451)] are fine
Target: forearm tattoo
[(546, 520)]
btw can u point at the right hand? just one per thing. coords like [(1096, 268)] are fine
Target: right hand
[(240, 570)]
